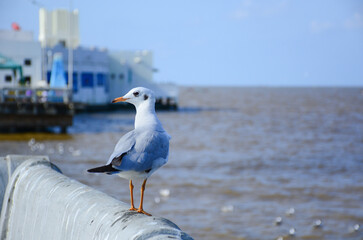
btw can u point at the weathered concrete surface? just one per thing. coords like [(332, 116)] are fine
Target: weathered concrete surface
[(38, 202)]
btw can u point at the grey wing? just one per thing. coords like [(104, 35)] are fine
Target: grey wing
[(150, 150), (124, 145)]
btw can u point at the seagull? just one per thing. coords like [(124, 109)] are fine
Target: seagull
[(140, 152)]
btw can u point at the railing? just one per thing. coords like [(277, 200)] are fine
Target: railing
[(35, 95), (38, 202)]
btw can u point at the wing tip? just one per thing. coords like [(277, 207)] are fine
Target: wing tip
[(103, 169), (92, 170)]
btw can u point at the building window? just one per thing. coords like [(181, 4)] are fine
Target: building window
[(48, 76), (112, 76), (121, 76), (101, 79), (107, 87), (129, 75), (27, 79), (66, 77), (87, 79), (27, 62), (75, 81), (63, 43), (8, 78)]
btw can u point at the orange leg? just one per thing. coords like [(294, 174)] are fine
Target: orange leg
[(140, 210), (132, 196)]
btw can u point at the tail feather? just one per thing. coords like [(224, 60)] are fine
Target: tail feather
[(103, 169)]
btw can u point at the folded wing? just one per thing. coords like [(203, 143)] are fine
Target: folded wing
[(150, 150), (123, 146)]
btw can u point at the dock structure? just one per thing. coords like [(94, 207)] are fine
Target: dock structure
[(36, 108), (39, 202)]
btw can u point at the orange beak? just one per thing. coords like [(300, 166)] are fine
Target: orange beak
[(120, 99)]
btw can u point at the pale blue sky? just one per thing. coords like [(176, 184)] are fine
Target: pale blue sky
[(215, 42)]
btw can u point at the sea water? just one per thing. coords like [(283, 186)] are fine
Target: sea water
[(244, 163)]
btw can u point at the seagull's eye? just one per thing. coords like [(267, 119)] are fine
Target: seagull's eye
[(136, 94)]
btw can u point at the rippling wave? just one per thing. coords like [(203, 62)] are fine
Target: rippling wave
[(239, 158)]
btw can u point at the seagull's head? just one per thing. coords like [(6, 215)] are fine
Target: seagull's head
[(137, 96)]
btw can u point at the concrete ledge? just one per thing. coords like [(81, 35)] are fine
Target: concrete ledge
[(38, 202)]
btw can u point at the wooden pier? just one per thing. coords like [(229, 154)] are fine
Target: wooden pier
[(35, 108)]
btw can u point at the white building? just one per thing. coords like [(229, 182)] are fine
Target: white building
[(129, 69), (20, 47), (59, 33), (90, 73), (98, 76), (58, 26)]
